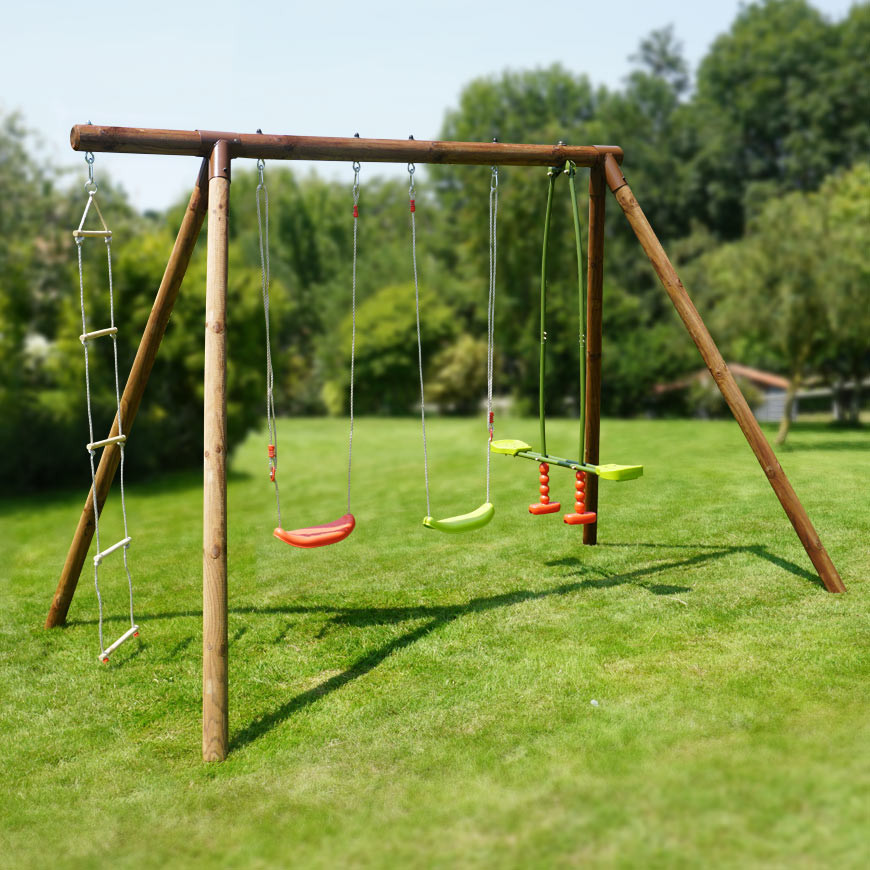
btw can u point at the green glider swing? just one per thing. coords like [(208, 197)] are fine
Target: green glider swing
[(478, 518), (513, 447)]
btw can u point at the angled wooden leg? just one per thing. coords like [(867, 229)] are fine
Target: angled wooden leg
[(135, 387), (723, 377), (595, 284)]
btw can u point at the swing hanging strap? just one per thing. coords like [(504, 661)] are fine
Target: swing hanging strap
[(412, 194), (356, 168), (570, 170), (338, 530), (262, 199), (483, 514), (552, 174), (490, 318)]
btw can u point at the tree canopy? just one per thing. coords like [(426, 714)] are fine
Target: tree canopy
[(753, 172)]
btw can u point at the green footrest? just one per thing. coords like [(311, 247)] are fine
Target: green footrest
[(610, 471), (509, 446), (618, 472)]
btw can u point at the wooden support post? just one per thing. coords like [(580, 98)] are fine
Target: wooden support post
[(723, 377), (130, 400), (215, 722), (594, 289)]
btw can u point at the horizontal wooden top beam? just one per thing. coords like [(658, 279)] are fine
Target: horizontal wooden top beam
[(199, 143)]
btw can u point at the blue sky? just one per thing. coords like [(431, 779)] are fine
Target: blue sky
[(382, 68)]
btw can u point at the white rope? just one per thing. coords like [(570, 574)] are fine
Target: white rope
[(111, 331), (411, 195), (121, 444), (91, 451), (265, 276), (490, 317), (356, 168)]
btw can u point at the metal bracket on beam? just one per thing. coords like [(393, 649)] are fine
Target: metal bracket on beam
[(219, 161)]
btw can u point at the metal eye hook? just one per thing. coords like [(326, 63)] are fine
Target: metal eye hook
[(261, 164), (90, 184)]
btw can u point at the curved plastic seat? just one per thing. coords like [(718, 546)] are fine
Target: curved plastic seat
[(463, 522), (318, 536)]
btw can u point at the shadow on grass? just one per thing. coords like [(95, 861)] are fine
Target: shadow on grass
[(437, 617), (760, 551), (833, 445)]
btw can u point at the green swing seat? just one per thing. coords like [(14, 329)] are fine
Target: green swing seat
[(463, 522)]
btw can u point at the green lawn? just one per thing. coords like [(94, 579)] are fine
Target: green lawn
[(411, 699)]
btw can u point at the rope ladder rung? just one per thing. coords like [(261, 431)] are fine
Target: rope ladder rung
[(133, 631), (125, 543), (98, 333), (83, 234), (117, 439)]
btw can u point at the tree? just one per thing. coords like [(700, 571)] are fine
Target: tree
[(843, 217), (781, 98), (661, 55), (387, 380), (793, 294)]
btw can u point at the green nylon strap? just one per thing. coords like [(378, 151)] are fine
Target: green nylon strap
[(552, 174), (570, 170), (581, 292)]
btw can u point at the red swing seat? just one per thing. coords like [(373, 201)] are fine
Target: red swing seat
[(318, 536)]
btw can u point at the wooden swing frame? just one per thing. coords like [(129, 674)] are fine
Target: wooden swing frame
[(211, 195)]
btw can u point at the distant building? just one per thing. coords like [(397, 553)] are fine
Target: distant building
[(765, 392), (772, 389), (767, 396)]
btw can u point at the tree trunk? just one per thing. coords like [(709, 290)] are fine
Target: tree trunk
[(855, 398), (785, 423)]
